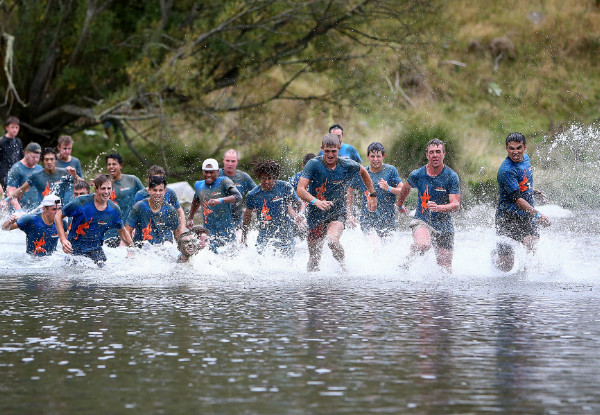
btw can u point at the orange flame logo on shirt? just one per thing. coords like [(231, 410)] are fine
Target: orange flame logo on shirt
[(321, 191), (206, 211), (38, 245), (146, 231), (424, 199), (46, 191), (113, 196), (265, 212), (524, 184), (81, 228)]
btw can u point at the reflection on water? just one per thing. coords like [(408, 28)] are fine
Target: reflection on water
[(255, 335)]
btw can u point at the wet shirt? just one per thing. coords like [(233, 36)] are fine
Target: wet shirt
[(170, 197), (327, 184), (436, 189), (271, 206), (55, 183), (294, 180), (17, 176), (244, 183), (90, 224), (11, 151), (123, 194), (41, 238), (347, 152), (154, 227), (385, 214), (76, 164), (515, 180), (217, 219)]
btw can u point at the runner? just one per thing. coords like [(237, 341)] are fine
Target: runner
[(64, 160), (152, 219), (388, 184), (215, 195), (439, 194), (40, 229), (516, 216), (11, 148), (323, 185), (18, 175), (346, 150), (273, 200), (243, 182), (92, 216)]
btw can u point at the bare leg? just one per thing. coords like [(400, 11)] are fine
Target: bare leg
[(421, 240), (315, 239), (444, 258), (530, 242), (334, 232)]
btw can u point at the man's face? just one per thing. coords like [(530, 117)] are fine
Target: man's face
[(203, 241), (64, 151), (52, 210), (188, 245), (435, 155), (376, 159), (80, 192), (210, 176), (330, 155), (516, 151), (12, 130), (338, 132), (157, 193), (31, 158), (113, 167), (230, 162), (267, 182), (49, 162), (103, 193)]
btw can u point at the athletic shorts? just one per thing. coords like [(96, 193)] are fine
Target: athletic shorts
[(319, 231), (97, 255), (439, 240), (516, 227)]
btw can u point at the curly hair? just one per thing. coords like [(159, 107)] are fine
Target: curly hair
[(267, 168)]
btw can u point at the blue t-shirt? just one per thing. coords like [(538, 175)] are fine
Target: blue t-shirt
[(170, 197), (437, 189), (17, 176), (274, 220), (347, 152), (515, 180), (244, 183), (123, 194), (217, 219), (327, 184), (41, 238), (385, 214), (76, 164), (90, 224), (55, 183), (294, 180), (154, 227)]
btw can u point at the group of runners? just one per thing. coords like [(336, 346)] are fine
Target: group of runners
[(315, 204)]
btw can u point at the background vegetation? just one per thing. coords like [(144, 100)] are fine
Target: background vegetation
[(174, 82)]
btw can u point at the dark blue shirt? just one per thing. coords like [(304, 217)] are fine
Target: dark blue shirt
[(41, 238), (17, 176), (154, 227), (327, 184), (76, 164), (55, 183), (217, 219), (90, 224), (123, 194), (437, 189), (515, 180)]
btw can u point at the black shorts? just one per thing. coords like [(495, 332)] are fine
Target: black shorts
[(97, 255), (443, 241), (320, 231), (515, 226)]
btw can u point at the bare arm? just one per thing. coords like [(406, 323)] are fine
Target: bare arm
[(193, 210), (60, 229), (525, 206), (247, 218), (404, 192), (371, 201), (17, 193), (10, 224), (125, 236), (181, 218), (452, 206), (307, 197)]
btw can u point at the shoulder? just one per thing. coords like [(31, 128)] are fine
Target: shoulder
[(225, 181), (111, 206), (256, 190)]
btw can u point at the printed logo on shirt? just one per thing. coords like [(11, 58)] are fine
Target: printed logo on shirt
[(524, 184), (424, 199), (113, 196), (147, 230), (321, 191), (440, 189), (206, 211), (265, 212), (39, 245), (81, 228), (47, 190)]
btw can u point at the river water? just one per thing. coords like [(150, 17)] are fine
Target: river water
[(259, 335)]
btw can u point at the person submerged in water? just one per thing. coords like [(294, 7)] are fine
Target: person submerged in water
[(191, 242)]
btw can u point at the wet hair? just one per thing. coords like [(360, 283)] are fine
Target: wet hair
[(330, 140), (308, 158), (81, 184), (101, 179), (517, 137), (48, 150), (65, 139), (154, 181), (12, 120), (334, 126), (267, 168), (184, 235), (376, 146), (232, 150), (435, 142), (199, 230), (156, 171), (115, 156)]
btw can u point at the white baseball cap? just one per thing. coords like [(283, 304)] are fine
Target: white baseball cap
[(210, 165), (51, 200)]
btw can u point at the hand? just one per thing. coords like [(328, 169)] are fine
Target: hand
[(323, 204), (190, 223), (71, 170), (66, 246), (544, 220), (434, 207), (383, 185), (212, 202), (372, 204)]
